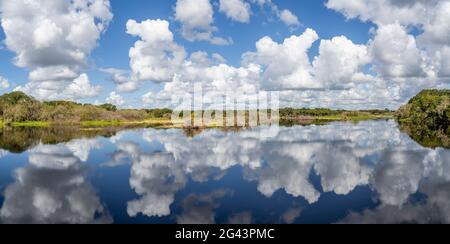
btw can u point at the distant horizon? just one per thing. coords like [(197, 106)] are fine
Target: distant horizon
[(162, 108)]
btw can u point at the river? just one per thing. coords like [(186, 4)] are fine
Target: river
[(369, 172)]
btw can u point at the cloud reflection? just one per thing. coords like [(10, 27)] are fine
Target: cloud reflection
[(53, 188), (409, 183), (344, 156)]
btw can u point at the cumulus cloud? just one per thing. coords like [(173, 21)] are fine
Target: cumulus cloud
[(344, 74), (4, 83), (437, 25), (78, 88), (237, 10), (282, 66), (286, 65), (340, 62), (400, 54), (395, 52), (155, 57), (53, 40), (197, 20), (387, 11), (115, 99)]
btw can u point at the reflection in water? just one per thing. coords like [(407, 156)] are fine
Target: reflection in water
[(20, 139), (53, 188), (341, 172), (427, 137), (200, 209)]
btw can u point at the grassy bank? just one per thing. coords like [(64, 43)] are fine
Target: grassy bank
[(168, 123), (355, 118), (30, 124), (20, 110)]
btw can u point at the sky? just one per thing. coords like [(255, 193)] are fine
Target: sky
[(141, 54)]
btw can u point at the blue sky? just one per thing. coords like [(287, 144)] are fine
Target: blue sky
[(113, 45), (312, 14)]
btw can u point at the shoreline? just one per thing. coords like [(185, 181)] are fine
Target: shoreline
[(169, 124)]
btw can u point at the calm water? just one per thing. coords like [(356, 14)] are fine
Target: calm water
[(336, 173)]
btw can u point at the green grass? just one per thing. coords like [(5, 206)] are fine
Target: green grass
[(352, 118), (100, 123), (178, 124), (31, 124)]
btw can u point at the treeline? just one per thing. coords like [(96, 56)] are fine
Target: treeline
[(322, 112), (430, 108), (18, 107), (426, 118)]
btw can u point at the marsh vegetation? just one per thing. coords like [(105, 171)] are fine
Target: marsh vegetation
[(426, 118)]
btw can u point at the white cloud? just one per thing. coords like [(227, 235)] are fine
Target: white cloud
[(437, 26), (237, 10), (443, 60), (53, 73), (81, 87), (410, 44), (4, 83), (76, 89), (282, 66), (395, 19), (340, 62), (197, 20), (286, 65), (155, 57), (395, 53), (384, 72), (115, 99), (289, 18), (53, 39), (386, 11)]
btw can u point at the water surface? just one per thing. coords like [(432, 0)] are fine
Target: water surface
[(369, 172)]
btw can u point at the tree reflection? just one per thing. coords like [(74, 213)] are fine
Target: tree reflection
[(427, 137), (21, 139)]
